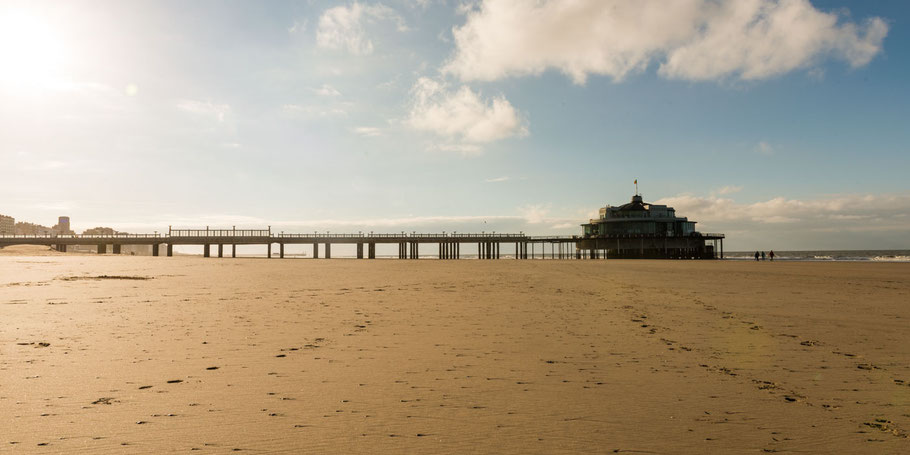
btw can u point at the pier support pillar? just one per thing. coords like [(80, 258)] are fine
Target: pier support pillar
[(457, 250), (372, 251), (206, 252), (268, 251), (170, 249), (116, 248), (155, 249), (220, 250), (359, 251), (315, 251), (102, 249), (328, 251), (233, 250), (281, 250)]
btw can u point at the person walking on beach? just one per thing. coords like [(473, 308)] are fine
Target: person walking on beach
[(771, 255), (756, 255), (762, 255)]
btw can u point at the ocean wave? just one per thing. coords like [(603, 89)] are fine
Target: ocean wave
[(891, 258), (831, 256)]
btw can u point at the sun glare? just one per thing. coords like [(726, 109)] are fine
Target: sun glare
[(32, 54)]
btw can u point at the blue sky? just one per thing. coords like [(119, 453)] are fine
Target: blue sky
[(783, 124)]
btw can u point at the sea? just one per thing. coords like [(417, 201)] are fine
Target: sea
[(827, 255)]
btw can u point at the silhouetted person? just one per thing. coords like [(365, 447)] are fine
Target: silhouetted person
[(756, 255), (762, 255), (771, 255)]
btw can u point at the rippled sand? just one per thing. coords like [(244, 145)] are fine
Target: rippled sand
[(147, 355)]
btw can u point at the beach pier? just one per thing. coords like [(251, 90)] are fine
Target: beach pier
[(489, 245)]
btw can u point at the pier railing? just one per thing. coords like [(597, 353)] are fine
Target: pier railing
[(321, 236), (713, 234), (219, 232), (80, 236)]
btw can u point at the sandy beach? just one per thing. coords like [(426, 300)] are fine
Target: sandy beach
[(150, 355)]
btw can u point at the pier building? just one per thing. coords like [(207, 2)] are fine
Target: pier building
[(642, 230)]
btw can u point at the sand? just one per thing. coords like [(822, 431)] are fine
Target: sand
[(149, 355)]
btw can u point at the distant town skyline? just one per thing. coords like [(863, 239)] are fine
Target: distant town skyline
[(779, 123)]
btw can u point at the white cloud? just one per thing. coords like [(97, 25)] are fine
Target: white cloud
[(692, 40), (729, 189), (344, 27), (327, 90), (462, 114), (497, 179), (764, 148), (205, 108), (535, 213), (853, 212), (298, 27), (368, 131)]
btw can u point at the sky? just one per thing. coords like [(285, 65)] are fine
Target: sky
[(783, 124)]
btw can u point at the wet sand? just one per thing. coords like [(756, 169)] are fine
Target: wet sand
[(149, 355)]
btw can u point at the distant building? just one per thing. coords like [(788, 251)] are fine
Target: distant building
[(100, 231), (63, 225), (23, 228), (642, 230), (7, 225)]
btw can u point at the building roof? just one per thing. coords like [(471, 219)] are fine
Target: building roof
[(636, 204)]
